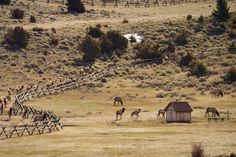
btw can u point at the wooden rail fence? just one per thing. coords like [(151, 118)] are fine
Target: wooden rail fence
[(28, 129), (52, 122), (136, 4)]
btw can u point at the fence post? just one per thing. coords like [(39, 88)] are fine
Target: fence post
[(4, 131)]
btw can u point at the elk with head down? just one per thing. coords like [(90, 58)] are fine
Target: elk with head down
[(212, 110), (217, 93)]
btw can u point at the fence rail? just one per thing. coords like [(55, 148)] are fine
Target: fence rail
[(215, 119)]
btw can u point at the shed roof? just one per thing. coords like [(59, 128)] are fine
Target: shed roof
[(180, 106)]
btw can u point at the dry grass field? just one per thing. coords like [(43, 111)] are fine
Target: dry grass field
[(90, 128), (88, 113)]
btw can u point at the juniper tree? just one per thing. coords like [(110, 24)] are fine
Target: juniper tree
[(221, 12), (75, 6)]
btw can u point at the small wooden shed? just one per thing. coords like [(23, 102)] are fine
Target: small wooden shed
[(178, 112)]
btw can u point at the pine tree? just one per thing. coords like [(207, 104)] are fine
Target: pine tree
[(221, 12)]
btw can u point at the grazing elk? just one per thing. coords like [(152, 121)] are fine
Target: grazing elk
[(161, 112), (120, 113), (213, 110), (217, 93), (118, 100), (135, 113)]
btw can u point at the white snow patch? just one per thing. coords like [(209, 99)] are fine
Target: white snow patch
[(135, 35)]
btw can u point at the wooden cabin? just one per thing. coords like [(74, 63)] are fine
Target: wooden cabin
[(178, 112)]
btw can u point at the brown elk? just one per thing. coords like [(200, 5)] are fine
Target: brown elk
[(217, 93), (161, 112), (120, 113), (118, 100), (213, 110), (136, 113)]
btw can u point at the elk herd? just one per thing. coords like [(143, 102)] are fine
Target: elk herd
[(118, 101), (210, 111)]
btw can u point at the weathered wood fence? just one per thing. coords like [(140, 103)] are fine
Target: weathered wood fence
[(28, 129), (136, 3), (52, 123)]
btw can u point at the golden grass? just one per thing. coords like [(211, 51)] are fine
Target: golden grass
[(91, 130)]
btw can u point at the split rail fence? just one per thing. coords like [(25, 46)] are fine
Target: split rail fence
[(137, 3), (52, 123)]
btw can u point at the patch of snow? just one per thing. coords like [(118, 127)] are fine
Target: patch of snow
[(135, 35)]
